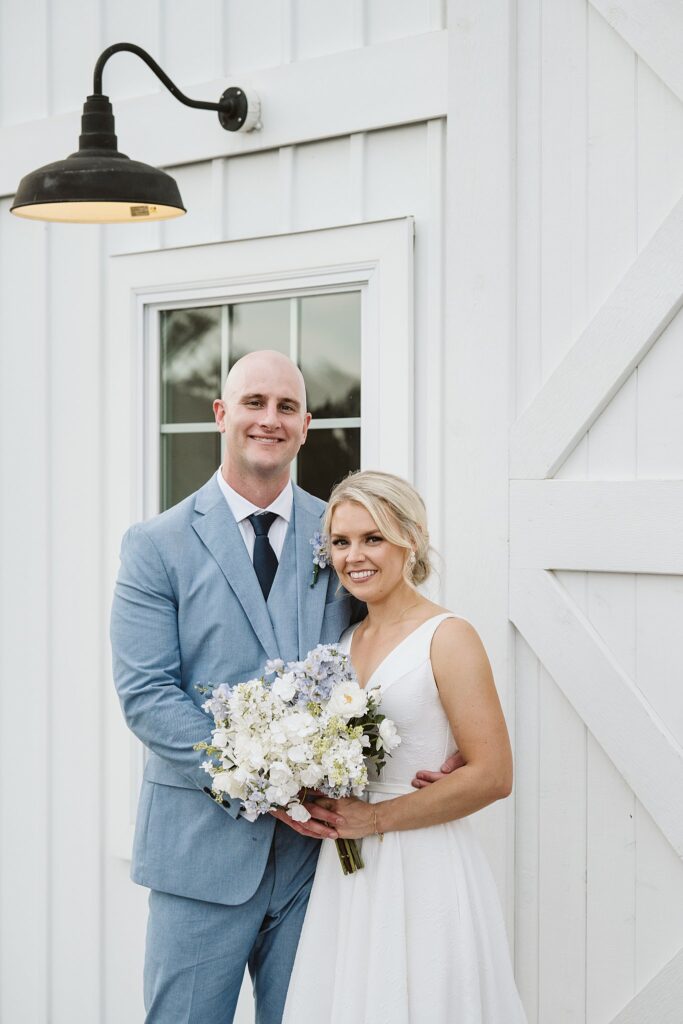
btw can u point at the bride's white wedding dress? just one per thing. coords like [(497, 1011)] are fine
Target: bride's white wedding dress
[(417, 937)]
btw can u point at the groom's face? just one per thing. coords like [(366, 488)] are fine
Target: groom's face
[(264, 417)]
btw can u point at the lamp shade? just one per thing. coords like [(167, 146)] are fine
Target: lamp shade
[(97, 184)]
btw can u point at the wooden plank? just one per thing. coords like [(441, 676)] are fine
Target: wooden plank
[(660, 130), (527, 852), (617, 338), (636, 741), (429, 309), (26, 663), (562, 857), (24, 65), (322, 27), (563, 166), (406, 80), (479, 326), (191, 41), (528, 360), (610, 890), (320, 184), (660, 1000), (654, 31), (660, 410), (72, 54), (659, 898), (77, 600), (607, 525)]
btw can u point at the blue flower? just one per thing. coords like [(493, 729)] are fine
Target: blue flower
[(321, 554)]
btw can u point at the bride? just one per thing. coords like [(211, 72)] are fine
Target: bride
[(417, 936)]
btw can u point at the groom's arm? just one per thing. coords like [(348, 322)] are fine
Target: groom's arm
[(451, 764), (146, 662)]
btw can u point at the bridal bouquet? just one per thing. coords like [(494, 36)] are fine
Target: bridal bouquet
[(303, 725)]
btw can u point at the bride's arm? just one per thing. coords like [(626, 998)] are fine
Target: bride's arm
[(468, 694)]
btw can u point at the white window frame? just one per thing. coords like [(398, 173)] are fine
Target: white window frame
[(375, 258), (152, 387)]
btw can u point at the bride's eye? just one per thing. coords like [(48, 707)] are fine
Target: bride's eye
[(375, 539), (338, 542)]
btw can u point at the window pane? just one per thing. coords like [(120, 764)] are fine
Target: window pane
[(190, 364), (326, 458), (258, 325), (187, 462), (330, 353)]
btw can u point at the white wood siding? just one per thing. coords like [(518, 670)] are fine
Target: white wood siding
[(72, 927), (599, 889)]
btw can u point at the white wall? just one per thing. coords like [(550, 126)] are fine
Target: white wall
[(564, 156), (72, 927), (599, 167)]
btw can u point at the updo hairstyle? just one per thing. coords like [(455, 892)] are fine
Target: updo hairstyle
[(398, 510)]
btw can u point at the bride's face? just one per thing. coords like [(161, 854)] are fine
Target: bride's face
[(368, 565)]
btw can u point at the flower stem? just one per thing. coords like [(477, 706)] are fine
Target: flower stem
[(349, 855)]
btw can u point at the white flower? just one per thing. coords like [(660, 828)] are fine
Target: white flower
[(273, 666), (228, 782), (250, 752), (298, 754), (311, 775), (298, 812), (280, 773), (220, 738), (348, 700), (389, 738), (299, 725), (281, 795), (284, 687)]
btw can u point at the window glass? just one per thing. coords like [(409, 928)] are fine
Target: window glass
[(187, 462), (259, 325), (326, 458), (199, 345), (190, 363), (330, 353)]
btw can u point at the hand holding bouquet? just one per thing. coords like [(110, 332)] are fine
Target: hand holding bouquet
[(303, 725)]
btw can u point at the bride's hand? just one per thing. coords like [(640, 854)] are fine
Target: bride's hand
[(357, 816)]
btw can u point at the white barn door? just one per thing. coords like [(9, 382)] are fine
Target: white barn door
[(596, 547)]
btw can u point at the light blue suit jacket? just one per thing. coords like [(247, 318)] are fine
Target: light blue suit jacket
[(188, 609)]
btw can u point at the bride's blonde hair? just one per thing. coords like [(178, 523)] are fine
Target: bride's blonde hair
[(398, 510)]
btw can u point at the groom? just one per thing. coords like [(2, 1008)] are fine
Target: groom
[(208, 592)]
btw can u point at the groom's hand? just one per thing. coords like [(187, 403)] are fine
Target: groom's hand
[(321, 824), (451, 764)]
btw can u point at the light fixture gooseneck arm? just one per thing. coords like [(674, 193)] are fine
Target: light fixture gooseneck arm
[(233, 106)]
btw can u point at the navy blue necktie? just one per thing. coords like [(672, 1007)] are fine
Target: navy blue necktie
[(265, 559)]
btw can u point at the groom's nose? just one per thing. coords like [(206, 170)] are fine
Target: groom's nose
[(269, 416)]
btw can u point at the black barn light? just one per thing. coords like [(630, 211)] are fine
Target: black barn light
[(97, 184)]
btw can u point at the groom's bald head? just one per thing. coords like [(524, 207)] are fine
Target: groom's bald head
[(266, 366)]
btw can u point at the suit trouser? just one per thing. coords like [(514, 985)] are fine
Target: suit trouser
[(197, 951)]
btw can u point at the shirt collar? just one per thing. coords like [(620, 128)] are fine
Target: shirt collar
[(242, 507)]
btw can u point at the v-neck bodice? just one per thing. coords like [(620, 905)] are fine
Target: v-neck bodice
[(411, 699)]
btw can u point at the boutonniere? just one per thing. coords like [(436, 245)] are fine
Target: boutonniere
[(321, 554)]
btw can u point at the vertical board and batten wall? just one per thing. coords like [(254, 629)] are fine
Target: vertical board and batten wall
[(72, 926), (564, 160), (599, 884)]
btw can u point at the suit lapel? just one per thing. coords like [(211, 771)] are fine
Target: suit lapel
[(222, 537), (311, 600)]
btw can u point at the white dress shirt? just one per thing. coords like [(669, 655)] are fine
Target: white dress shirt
[(241, 508)]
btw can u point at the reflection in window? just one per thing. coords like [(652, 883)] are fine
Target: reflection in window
[(330, 353), (327, 457), (199, 345), (190, 363), (258, 325)]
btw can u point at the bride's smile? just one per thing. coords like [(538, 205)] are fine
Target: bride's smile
[(368, 565)]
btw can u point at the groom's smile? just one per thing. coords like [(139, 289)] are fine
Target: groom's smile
[(263, 416)]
